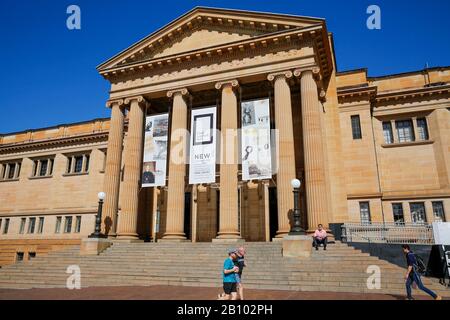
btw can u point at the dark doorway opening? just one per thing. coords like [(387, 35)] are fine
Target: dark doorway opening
[(187, 214), (273, 211)]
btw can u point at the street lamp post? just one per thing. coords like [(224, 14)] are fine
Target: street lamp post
[(98, 219), (296, 228)]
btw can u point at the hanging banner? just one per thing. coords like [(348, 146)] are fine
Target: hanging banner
[(155, 151), (255, 140), (202, 164)]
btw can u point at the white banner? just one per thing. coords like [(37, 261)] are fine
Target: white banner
[(202, 164), (155, 151), (255, 140)]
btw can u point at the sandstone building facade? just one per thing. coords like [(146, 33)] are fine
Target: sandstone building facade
[(367, 149)]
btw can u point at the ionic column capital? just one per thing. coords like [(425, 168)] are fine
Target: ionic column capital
[(139, 99), (284, 74), (314, 70), (111, 103), (222, 84), (182, 91)]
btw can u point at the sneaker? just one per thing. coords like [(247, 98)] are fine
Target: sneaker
[(438, 298)]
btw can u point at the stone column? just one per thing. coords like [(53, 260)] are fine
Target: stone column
[(313, 135), (286, 151), (229, 211), (127, 227), (177, 166)]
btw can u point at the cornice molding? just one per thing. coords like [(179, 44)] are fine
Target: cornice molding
[(53, 143)]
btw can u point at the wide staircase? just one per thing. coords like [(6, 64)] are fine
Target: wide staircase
[(339, 269)]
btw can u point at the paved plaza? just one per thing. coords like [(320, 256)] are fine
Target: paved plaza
[(181, 293)]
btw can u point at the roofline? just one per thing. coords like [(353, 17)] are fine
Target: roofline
[(374, 78), (200, 8), (54, 126)]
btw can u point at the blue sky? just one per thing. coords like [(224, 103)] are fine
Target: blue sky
[(49, 76)]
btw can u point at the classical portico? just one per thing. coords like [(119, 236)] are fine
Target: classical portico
[(222, 58)]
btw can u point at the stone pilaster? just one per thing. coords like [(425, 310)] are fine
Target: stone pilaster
[(286, 152), (111, 182), (315, 183), (229, 211), (127, 227), (177, 166)]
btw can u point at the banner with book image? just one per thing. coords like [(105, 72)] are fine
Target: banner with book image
[(155, 150), (202, 164), (255, 140)]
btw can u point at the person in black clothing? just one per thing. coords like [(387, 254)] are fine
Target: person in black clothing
[(412, 275), (240, 263)]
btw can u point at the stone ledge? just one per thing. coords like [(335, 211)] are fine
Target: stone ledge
[(94, 246)]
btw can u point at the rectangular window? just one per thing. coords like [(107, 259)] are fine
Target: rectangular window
[(397, 209), (19, 256), (51, 163), (31, 255), (364, 211), (78, 224), (6, 226), (43, 170), (78, 164), (41, 225), (1, 224), (422, 129), (69, 165), (438, 211), (12, 170), (22, 225), (31, 225), (387, 132), (58, 225), (405, 130), (418, 215), (356, 127), (68, 225)]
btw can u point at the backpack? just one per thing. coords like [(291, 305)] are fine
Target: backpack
[(420, 266)]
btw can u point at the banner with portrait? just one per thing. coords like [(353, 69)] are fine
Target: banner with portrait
[(255, 140), (202, 164), (155, 150)]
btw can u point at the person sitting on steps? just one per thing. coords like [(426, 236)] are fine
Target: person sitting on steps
[(320, 237)]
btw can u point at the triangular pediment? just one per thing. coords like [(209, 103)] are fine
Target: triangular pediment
[(203, 28)]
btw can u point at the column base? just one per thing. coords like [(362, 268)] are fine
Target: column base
[(127, 236), (181, 236), (166, 240), (297, 246)]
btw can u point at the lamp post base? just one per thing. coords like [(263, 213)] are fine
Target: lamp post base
[(94, 246), (297, 246)]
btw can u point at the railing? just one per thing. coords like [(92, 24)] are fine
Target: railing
[(388, 233)]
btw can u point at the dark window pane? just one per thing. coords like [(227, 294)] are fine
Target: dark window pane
[(387, 132), (31, 255), (12, 168), (68, 225), (43, 171), (364, 211), (50, 170), (438, 211), (87, 163), (41, 225), (78, 164), (78, 224), (422, 129), (6, 227), (19, 256), (356, 127), (69, 164), (31, 225), (397, 209)]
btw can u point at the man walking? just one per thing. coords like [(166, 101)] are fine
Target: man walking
[(320, 237), (229, 276), (240, 263), (412, 275)]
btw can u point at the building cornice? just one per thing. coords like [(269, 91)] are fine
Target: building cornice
[(52, 143)]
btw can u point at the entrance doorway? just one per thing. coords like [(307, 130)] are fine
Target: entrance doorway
[(187, 214)]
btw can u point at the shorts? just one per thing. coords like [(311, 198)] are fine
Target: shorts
[(238, 277), (229, 287)]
